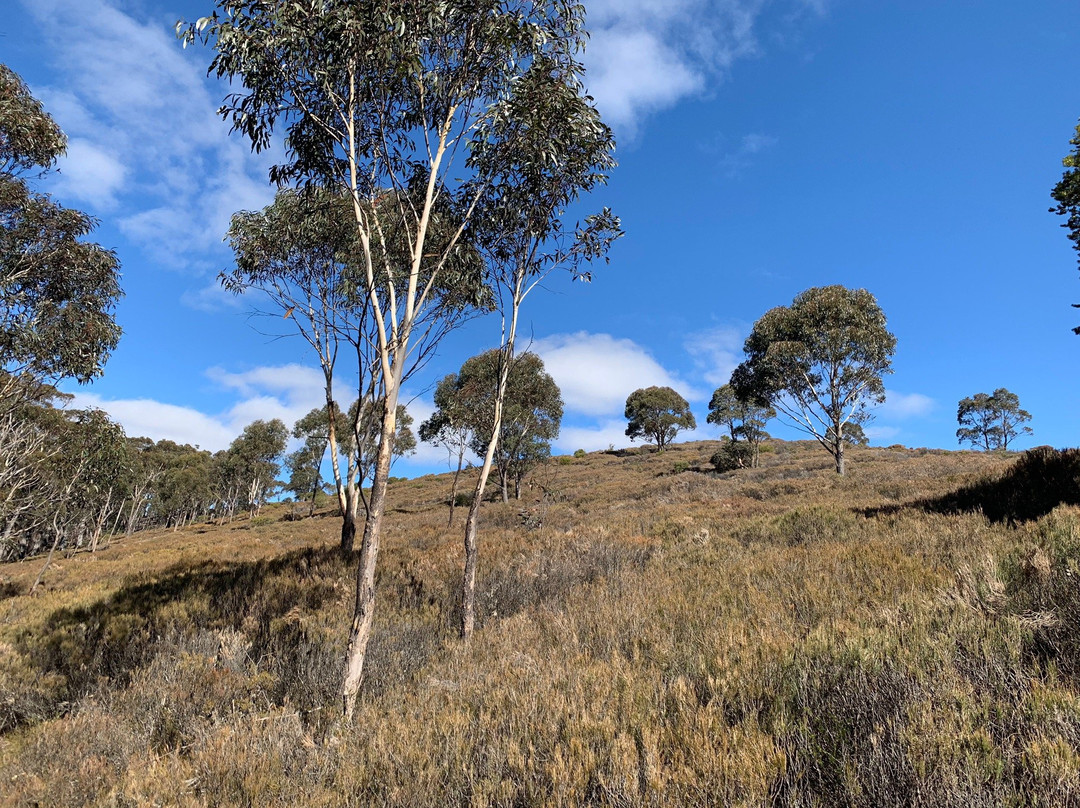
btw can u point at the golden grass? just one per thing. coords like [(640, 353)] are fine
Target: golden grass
[(775, 636)]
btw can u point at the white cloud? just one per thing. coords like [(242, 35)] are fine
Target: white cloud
[(143, 417), (735, 162), (647, 55), (905, 405), (716, 352), (596, 372), (287, 392), (644, 56), (142, 117), (610, 433), (880, 434), (90, 174)]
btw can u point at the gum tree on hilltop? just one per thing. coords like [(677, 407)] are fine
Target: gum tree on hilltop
[(388, 97), (658, 414), (819, 362), (991, 420), (532, 410), (1067, 195), (743, 419)]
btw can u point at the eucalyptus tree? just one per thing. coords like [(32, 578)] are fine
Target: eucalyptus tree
[(657, 413), (532, 410), (57, 291), (547, 146), (409, 98), (819, 362), (743, 419), (991, 421), (1067, 196), (450, 427), (303, 254), (251, 462)]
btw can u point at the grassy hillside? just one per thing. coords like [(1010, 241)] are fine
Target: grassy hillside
[(651, 635)]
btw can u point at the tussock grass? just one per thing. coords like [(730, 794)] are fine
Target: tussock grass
[(651, 635)]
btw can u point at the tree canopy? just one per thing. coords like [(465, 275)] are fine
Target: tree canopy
[(819, 362), (532, 410), (991, 421), (57, 291), (744, 420), (657, 414), (1067, 195)]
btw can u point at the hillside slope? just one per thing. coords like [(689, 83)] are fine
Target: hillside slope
[(651, 634)]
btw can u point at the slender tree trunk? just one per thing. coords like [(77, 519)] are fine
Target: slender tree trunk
[(364, 609), (351, 500), (453, 489), (840, 457), (468, 583), (56, 541), (504, 486)]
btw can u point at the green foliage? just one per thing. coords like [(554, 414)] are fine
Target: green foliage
[(57, 291), (657, 414), (250, 465), (991, 421), (1067, 195), (819, 362), (733, 454), (853, 435), (531, 413), (744, 420), (579, 453)]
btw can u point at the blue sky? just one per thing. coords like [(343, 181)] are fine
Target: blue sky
[(765, 147)]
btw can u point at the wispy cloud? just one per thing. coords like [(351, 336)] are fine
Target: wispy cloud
[(147, 145), (899, 406), (736, 162), (647, 55), (716, 352)]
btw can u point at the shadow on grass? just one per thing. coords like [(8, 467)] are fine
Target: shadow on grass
[(1039, 481), (188, 608)]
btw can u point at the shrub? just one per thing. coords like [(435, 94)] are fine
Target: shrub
[(732, 455), (580, 453)]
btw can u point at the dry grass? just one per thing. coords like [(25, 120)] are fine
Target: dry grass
[(775, 636)]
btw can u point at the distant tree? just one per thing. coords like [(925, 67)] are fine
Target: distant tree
[(854, 435), (531, 413), (991, 421), (819, 362), (83, 479), (743, 419), (450, 426), (658, 414), (57, 292), (1067, 195), (252, 461)]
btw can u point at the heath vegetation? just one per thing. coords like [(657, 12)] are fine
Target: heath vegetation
[(779, 635)]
